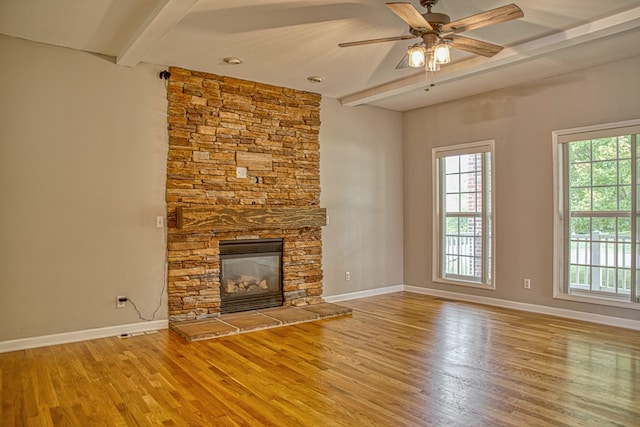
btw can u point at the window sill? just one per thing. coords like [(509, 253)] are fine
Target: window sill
[(597, 300), (474, 285)]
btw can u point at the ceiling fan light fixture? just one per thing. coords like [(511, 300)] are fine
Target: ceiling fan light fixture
[(432, 63), (417, 56), (441, 53), (439, 34)]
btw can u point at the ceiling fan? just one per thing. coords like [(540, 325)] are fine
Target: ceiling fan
[(438, 33)]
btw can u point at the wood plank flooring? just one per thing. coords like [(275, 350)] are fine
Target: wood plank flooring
[(400, 359)]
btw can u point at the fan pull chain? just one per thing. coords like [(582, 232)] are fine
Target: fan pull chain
[(428, 75)]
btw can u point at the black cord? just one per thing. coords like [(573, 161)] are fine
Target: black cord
[(153, 316), (165, 75), (164, 286)]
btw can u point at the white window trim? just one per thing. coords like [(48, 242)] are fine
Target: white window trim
[(437, 152), (557, 137)]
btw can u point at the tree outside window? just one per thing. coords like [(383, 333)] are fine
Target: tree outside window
[(596, 220)]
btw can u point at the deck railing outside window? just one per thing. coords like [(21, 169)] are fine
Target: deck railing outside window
[(600, 262)]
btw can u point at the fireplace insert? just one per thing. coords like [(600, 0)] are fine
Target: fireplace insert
[(250, 274)]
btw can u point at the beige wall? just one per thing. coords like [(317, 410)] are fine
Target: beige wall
[(83, 147), (520, 120), (361, 176)]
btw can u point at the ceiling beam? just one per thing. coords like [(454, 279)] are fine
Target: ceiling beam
[(160, 21), (611, 25)]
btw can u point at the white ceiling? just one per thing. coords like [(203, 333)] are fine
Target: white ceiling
[(283, 42)]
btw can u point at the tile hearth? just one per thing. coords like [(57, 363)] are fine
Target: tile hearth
[(247, 321)]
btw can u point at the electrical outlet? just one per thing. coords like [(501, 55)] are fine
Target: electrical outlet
[(121, 301), (527, 283), (347, 275)]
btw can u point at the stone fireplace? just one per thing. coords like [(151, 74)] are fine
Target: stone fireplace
[(243, 165), (250, 274)]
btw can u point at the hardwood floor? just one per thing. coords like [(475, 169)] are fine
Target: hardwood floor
[(399, 360)]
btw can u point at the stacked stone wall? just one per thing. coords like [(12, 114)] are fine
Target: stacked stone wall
[(216, 125)]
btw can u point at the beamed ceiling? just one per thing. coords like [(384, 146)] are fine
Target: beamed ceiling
[(284, 42)]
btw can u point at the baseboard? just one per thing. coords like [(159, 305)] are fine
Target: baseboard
[(75, 336), (364, 294), (534, 308), (110, 331)]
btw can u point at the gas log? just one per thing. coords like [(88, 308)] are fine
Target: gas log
[(244, 284)]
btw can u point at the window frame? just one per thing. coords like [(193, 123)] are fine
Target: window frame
[(487, 214), (561, 259)]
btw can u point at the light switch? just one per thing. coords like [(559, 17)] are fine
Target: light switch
[(159, 221)]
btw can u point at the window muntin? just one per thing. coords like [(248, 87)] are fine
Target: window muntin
[(597, 213), (462, 217)]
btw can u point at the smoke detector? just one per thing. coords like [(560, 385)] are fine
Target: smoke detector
[(232, 60)]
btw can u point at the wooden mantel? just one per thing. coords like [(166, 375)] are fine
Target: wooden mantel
[(230, 218)]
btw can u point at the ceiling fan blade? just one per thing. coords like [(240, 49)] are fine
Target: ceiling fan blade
[(382, 40), (409, 14), (475, 46), (404, 62), (490, 17)]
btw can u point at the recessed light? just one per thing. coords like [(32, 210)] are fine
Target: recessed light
[(315, 79), (232, 60)]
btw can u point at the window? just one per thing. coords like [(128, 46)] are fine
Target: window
[(596, 221), (463, 221)]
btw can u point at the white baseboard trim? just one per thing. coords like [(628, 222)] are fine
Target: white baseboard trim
[(111, 331), (364, 294), (534, 308), (87, 334)]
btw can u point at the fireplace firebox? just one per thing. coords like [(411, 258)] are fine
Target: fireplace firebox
[(250, 274)]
